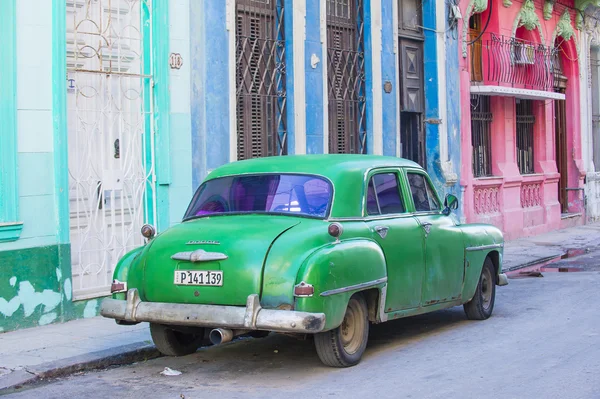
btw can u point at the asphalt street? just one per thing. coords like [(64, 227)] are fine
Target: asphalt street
[(543, 341)]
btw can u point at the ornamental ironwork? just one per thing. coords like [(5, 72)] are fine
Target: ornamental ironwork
[(110, 136), (260, 78), (346, 77), (514, 62)]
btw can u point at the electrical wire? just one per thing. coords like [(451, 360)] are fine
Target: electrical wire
[(491, 8)]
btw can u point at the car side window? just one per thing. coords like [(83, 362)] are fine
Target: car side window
[(383, 195), (372, 207), (422, 193)]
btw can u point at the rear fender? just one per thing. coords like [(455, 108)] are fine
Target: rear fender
[(337, 271), (122, 270)]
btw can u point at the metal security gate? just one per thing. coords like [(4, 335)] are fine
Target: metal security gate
[(260, 78), (346, 77), (110, 139), (525, 122)]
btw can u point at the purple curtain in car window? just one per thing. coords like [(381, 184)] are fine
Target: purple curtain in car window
[(258, 193)]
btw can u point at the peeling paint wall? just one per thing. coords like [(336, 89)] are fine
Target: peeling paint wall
[(35, 288), (442, 99)]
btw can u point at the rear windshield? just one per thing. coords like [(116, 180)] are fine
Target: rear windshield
[(267, 193)]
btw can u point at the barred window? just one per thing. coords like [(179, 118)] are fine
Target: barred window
[(260, 79), (525, 123), (481, 124)]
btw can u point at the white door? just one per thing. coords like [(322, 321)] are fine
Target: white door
[(111, 189)]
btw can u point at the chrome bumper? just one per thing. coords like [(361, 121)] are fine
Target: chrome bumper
[(502, 279), (251, 317)]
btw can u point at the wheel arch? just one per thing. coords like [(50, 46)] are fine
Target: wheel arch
[(473, 267), (495, 258), (373, 297), (339, 271)]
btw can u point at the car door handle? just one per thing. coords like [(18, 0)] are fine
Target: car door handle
[(382, 231), (427, 227)]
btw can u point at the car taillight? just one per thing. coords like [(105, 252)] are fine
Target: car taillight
[(118, 286), (303, 289)]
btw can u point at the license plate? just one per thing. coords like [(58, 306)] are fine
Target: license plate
[(199, 277)]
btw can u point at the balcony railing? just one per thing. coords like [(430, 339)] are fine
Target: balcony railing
[(506, 61)]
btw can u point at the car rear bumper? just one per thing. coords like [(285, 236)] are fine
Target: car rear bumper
[(251, 317), (502, 279)]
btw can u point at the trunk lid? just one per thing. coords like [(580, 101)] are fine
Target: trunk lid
[(244, 239)]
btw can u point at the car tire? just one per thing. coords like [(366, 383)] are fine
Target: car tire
[(171, 342), (345, 345), (480, 307)]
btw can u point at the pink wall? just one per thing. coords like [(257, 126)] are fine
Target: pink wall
[(522, 205)]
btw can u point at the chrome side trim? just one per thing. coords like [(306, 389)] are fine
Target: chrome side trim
[(354, 287), (484, 247)]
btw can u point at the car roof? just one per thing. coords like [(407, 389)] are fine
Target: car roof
[(346, 172), (329, 165)]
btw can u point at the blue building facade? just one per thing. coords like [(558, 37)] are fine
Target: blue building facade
[(316, 76)]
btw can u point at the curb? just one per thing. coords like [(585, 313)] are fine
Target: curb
[(117, 356), (536, 262)]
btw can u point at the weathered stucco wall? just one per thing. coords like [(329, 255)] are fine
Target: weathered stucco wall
[(523, 205), (35, 288)]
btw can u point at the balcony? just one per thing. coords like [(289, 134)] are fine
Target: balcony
[(506, 66)]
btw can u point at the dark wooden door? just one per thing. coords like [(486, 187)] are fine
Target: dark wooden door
[(475, 48), (561, 153), (412, 93), (412, 135)]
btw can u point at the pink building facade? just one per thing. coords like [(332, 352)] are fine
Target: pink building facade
[(521, 155)]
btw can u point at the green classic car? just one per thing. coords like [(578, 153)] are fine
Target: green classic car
[(317, 244)]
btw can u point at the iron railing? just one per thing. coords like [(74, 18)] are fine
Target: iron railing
[(501, 60), (525, 123), (481, 123)]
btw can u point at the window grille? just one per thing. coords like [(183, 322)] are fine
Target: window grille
[(346, 77), (481, 123), (525, 123), (260, 78)]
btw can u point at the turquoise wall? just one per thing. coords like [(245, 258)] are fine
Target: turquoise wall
[(35, 270)]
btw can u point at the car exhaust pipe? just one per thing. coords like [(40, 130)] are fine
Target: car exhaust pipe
[(222, 335)]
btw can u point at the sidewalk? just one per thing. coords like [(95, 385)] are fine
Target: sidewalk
[(545, 248), (60, 349)]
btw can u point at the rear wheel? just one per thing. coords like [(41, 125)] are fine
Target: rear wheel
[(345, 345), (171, 342), (482, 304)]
